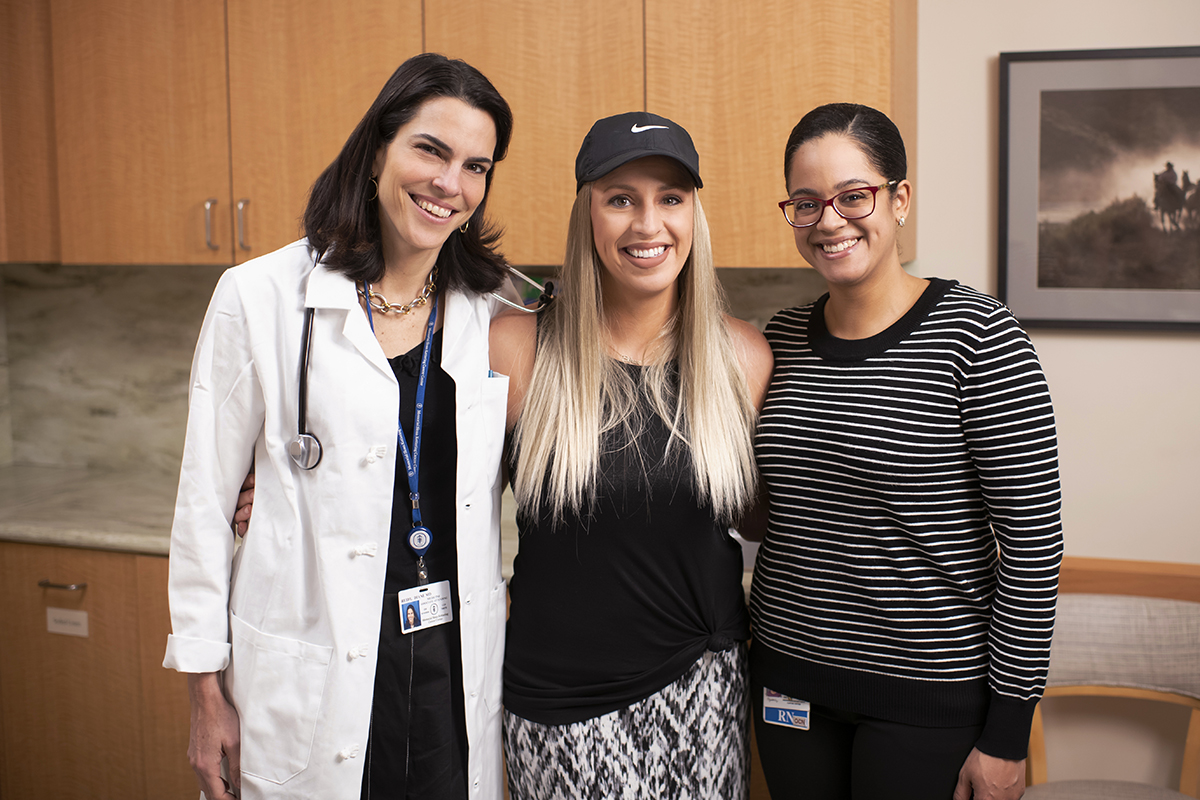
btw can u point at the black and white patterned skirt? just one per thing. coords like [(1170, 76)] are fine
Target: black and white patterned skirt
[(689, 741)]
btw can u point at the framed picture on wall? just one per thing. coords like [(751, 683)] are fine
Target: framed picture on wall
[(1099, 205)]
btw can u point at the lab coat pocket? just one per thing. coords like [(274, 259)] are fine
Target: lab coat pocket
[(277, 686), (493, 684)]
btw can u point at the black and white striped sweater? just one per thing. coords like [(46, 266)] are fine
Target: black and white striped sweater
[(911, 565)]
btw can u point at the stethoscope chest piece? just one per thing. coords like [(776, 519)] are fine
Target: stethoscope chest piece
[(305, 450)]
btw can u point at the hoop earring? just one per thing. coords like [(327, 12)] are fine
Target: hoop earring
[(376, 185), (463, 227), (901, 222)]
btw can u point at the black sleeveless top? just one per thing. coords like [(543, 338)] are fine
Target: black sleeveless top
[(418, 742), (610, 606)]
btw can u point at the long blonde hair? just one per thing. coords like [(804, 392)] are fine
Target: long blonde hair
[(577, 393)]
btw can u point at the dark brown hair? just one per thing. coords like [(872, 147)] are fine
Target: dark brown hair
[(876, 135), (342, 217)]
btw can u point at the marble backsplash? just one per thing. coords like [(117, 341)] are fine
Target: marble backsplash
[(98, 362), (94, 362), (755, 294), (6, 449)]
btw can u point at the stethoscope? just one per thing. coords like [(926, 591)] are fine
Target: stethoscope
[(305, 448)]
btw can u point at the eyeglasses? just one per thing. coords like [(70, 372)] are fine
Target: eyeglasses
[(546, 293), (804, 212)]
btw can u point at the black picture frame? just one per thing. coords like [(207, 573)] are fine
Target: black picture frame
[(1077, 129)]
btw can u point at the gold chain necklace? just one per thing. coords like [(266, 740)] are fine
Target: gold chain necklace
[(381, 304)]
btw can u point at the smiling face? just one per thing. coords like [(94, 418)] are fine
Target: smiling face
[(845, 252), (642, 226), (432, 176)]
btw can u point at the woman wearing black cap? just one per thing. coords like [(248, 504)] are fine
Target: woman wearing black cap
[(632, 402)]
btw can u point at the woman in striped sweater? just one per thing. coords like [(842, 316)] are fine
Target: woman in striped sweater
[(904, 595)]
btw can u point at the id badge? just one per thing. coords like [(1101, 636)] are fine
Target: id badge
[(779, 709), (425, 606)]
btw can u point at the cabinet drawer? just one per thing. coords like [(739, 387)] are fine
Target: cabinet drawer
[(80, 712)]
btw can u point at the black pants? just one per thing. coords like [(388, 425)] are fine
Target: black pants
[(845, 756)]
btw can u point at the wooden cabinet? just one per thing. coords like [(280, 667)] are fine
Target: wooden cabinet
[(28, 189), (141, 114), (163, 105), (739, 76), (561, 65), (165, 711), (96, 716), (170, 114), (299, 81)]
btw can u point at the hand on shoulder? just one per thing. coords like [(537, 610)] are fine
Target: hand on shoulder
[(755, 356)]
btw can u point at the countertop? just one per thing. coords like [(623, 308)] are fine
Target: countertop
[(123, 511)]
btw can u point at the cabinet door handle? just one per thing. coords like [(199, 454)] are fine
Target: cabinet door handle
[(208, 239), (241, 220), (66, 587)]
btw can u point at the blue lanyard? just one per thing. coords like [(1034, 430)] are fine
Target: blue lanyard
[(420, 536)]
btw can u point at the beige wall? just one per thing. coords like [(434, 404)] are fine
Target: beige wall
[(1128, 404)]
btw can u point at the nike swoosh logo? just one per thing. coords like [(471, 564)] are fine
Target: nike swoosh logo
[(640, 128)]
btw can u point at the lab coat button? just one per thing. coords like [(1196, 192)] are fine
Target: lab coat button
[(362, 651), (347, 753), (474, 695), (375, 454)]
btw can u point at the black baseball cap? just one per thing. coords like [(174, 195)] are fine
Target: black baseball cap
[(614, 141)]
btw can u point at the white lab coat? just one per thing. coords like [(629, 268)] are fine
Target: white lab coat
[(293, 616)]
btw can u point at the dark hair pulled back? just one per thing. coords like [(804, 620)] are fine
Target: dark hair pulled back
[(875, 134), (342, 224)]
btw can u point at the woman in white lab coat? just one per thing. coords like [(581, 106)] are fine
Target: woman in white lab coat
[(303, 682)]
